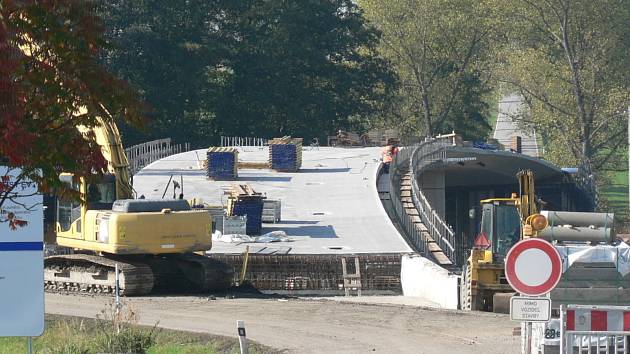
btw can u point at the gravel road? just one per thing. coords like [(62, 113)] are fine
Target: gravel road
[(316, 326)]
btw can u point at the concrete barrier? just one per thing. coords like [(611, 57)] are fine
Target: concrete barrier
[(420, 277)]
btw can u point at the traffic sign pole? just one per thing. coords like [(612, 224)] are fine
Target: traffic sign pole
[(533, 268)]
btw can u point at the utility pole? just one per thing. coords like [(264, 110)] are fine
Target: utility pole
[(628, 157)]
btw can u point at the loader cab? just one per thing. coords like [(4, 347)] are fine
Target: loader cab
[(99, 195), (500, 225)]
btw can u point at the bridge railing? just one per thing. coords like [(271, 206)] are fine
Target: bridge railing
[(143, 154), (231, 141), (424, 156), (417, 158), (400, 164)]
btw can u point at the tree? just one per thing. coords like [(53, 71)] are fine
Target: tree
[(569, 59), (49, 68), (439, 48), (170, 52), (248, 67), (300, 67)]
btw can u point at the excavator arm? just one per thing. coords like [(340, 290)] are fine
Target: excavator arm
[(108, 138), (527, 194)]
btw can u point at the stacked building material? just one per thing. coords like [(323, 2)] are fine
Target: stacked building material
[(235, 225), (222, 163), (346, 138), (218, 214), (244, 201), (271, 211), (285, 154)]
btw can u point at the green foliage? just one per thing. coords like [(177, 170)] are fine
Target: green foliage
[(167, 50), (247, 67), (69, 335), (439, 49), (569, 60)]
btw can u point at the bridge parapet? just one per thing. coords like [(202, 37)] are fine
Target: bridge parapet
[(412, 161)]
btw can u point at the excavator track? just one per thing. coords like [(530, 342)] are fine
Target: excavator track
[(139, 275), (189, 273), (87, 273)]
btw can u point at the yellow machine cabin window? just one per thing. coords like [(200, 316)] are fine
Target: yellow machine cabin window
[(101, 195), (68, 211), (508, 229)]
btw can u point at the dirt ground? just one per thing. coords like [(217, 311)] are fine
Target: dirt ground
[(316, 326)]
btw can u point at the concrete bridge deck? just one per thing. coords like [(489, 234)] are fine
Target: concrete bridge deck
[(331, 206)]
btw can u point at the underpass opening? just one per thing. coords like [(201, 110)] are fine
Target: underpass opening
[(468, 175)]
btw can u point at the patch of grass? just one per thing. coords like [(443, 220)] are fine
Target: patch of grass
[(70, 335), (615, 194)]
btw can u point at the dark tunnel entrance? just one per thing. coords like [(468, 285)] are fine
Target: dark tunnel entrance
[(470, 175)]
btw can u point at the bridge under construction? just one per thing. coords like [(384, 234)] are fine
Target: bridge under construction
[(348, 224)]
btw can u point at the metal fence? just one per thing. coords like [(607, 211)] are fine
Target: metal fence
[(424, 156), (416, 158), (242, 141), (594, 329), (143, 154), (398, 166)]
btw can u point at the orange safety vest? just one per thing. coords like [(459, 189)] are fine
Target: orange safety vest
[(387, 154)]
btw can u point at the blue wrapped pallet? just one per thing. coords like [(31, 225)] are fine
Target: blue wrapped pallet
[(252, 208), (244, 201), (222, 163), (285, 154)]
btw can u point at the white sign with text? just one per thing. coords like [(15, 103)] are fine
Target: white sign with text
[(530, 309), (21, 256)]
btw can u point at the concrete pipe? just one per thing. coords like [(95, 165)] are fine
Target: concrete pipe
[(604, 220), (578, 234)]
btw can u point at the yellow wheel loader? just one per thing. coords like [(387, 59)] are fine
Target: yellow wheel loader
[(504, 222), (152, 242)]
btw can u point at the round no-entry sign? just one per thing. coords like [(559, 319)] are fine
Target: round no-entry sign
[(533, 267)]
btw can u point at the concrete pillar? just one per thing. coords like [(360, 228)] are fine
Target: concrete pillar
[(432, 184)]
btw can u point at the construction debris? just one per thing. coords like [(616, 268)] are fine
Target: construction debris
[(374, 137), (381, 137), (346, 138), (274, 236)]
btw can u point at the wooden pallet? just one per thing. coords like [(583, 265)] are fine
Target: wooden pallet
[(254, 165), (242, 191)]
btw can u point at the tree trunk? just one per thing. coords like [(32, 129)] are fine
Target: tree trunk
[(427, 113)]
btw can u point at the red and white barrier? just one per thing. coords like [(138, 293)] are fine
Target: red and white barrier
[(598, 320), (602, 329)]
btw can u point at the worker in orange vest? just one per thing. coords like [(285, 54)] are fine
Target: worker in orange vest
[(389, 152)]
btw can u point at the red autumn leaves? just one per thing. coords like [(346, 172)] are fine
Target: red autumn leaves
[(49, 68)]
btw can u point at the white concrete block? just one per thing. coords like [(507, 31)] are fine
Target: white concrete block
[(422, 278)]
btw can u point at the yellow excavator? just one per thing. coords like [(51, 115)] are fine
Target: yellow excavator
[(504, 222), (152, 242)]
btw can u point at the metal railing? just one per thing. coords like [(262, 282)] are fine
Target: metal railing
[(424, 156), (143, 154), (229, 141), (416, 158), (400, 164)]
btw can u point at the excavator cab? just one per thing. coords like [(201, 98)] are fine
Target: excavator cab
[(102, 194), (483, 274), (500, 226), (99, 195)]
